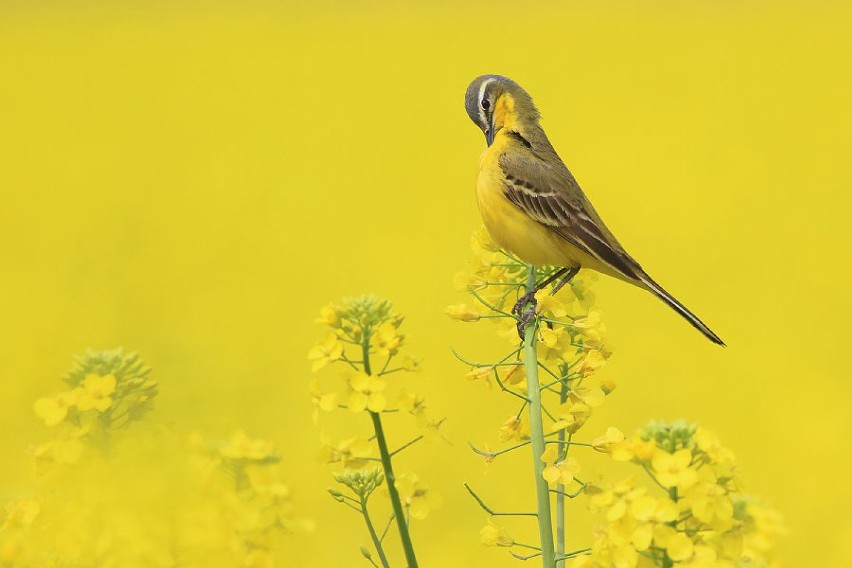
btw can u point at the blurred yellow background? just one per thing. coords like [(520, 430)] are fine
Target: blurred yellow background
[(194, 181)]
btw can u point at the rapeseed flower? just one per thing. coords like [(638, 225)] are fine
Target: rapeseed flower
[(95, 392), (366, 393), (493, 534)]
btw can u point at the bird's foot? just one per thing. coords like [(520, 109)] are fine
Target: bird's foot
[(524, 316)]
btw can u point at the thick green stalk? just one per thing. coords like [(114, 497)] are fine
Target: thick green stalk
[(542, 491), (560, 496), (387, 466)]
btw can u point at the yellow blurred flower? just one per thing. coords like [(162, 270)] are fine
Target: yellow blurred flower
[(679, 547), (240, 446), (495, 535), (590, 395), (95, 392), (550, 306), (592, 361), (511, 429), (326, 351), (412, 402), (323, 401), (711, 505), (571, 416), (672, 470), (709, 443), (386, 340), (21, 512), (53, 410), (328, 316), (591, 327), (462, 312), (350, 453), (606, 442), (562, 472), (633, 448), (549, 337), (607, 386), (66, 448), (366, 393), (515, 375), (417, 499), (484, 374)]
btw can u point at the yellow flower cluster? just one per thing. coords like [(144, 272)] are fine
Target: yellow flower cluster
[(364, 341), (697, 517), (107, 391)]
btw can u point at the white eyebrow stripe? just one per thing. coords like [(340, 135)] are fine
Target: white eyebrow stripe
[(482, 88)]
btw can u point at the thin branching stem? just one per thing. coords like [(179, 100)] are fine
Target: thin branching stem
[(504, 388), (489, 305), (492, 455), (527, 557), (377, 542), (387, 528), (500, 363), (549, 372), (402, 447), (568, 443), (575, 553), (491, 511), (567, 493)]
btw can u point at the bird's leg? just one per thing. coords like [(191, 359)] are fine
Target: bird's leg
[(529, 298), (530, 295), (571, 273)]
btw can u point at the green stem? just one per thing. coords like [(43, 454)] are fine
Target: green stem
[(560, 495), (387, 466), (375, 537), (545, 523)]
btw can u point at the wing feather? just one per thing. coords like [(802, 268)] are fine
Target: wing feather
[(552, 197)]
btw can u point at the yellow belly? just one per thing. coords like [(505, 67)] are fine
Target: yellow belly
[(515, 232), (511, 229)]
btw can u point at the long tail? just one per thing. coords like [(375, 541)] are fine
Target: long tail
[(659, 292)]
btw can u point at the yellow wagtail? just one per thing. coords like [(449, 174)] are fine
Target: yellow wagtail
[(532, 206)]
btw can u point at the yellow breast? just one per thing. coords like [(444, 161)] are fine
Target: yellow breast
[(510, 227)]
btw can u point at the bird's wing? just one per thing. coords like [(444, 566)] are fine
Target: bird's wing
[(552, 197)]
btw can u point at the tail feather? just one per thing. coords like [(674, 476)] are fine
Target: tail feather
[(659, 292)]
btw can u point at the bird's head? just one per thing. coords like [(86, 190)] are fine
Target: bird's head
[(494, 102)]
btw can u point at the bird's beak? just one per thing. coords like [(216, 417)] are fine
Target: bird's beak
[(490, 130)]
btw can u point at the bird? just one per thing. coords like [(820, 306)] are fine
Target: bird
[(532, 206)]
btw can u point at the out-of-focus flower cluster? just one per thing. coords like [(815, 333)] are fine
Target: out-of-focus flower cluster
[(242, 505), (695, 515), (143, 498), (107, 391)]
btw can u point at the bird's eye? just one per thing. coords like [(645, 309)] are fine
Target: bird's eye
[(485, 104)]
